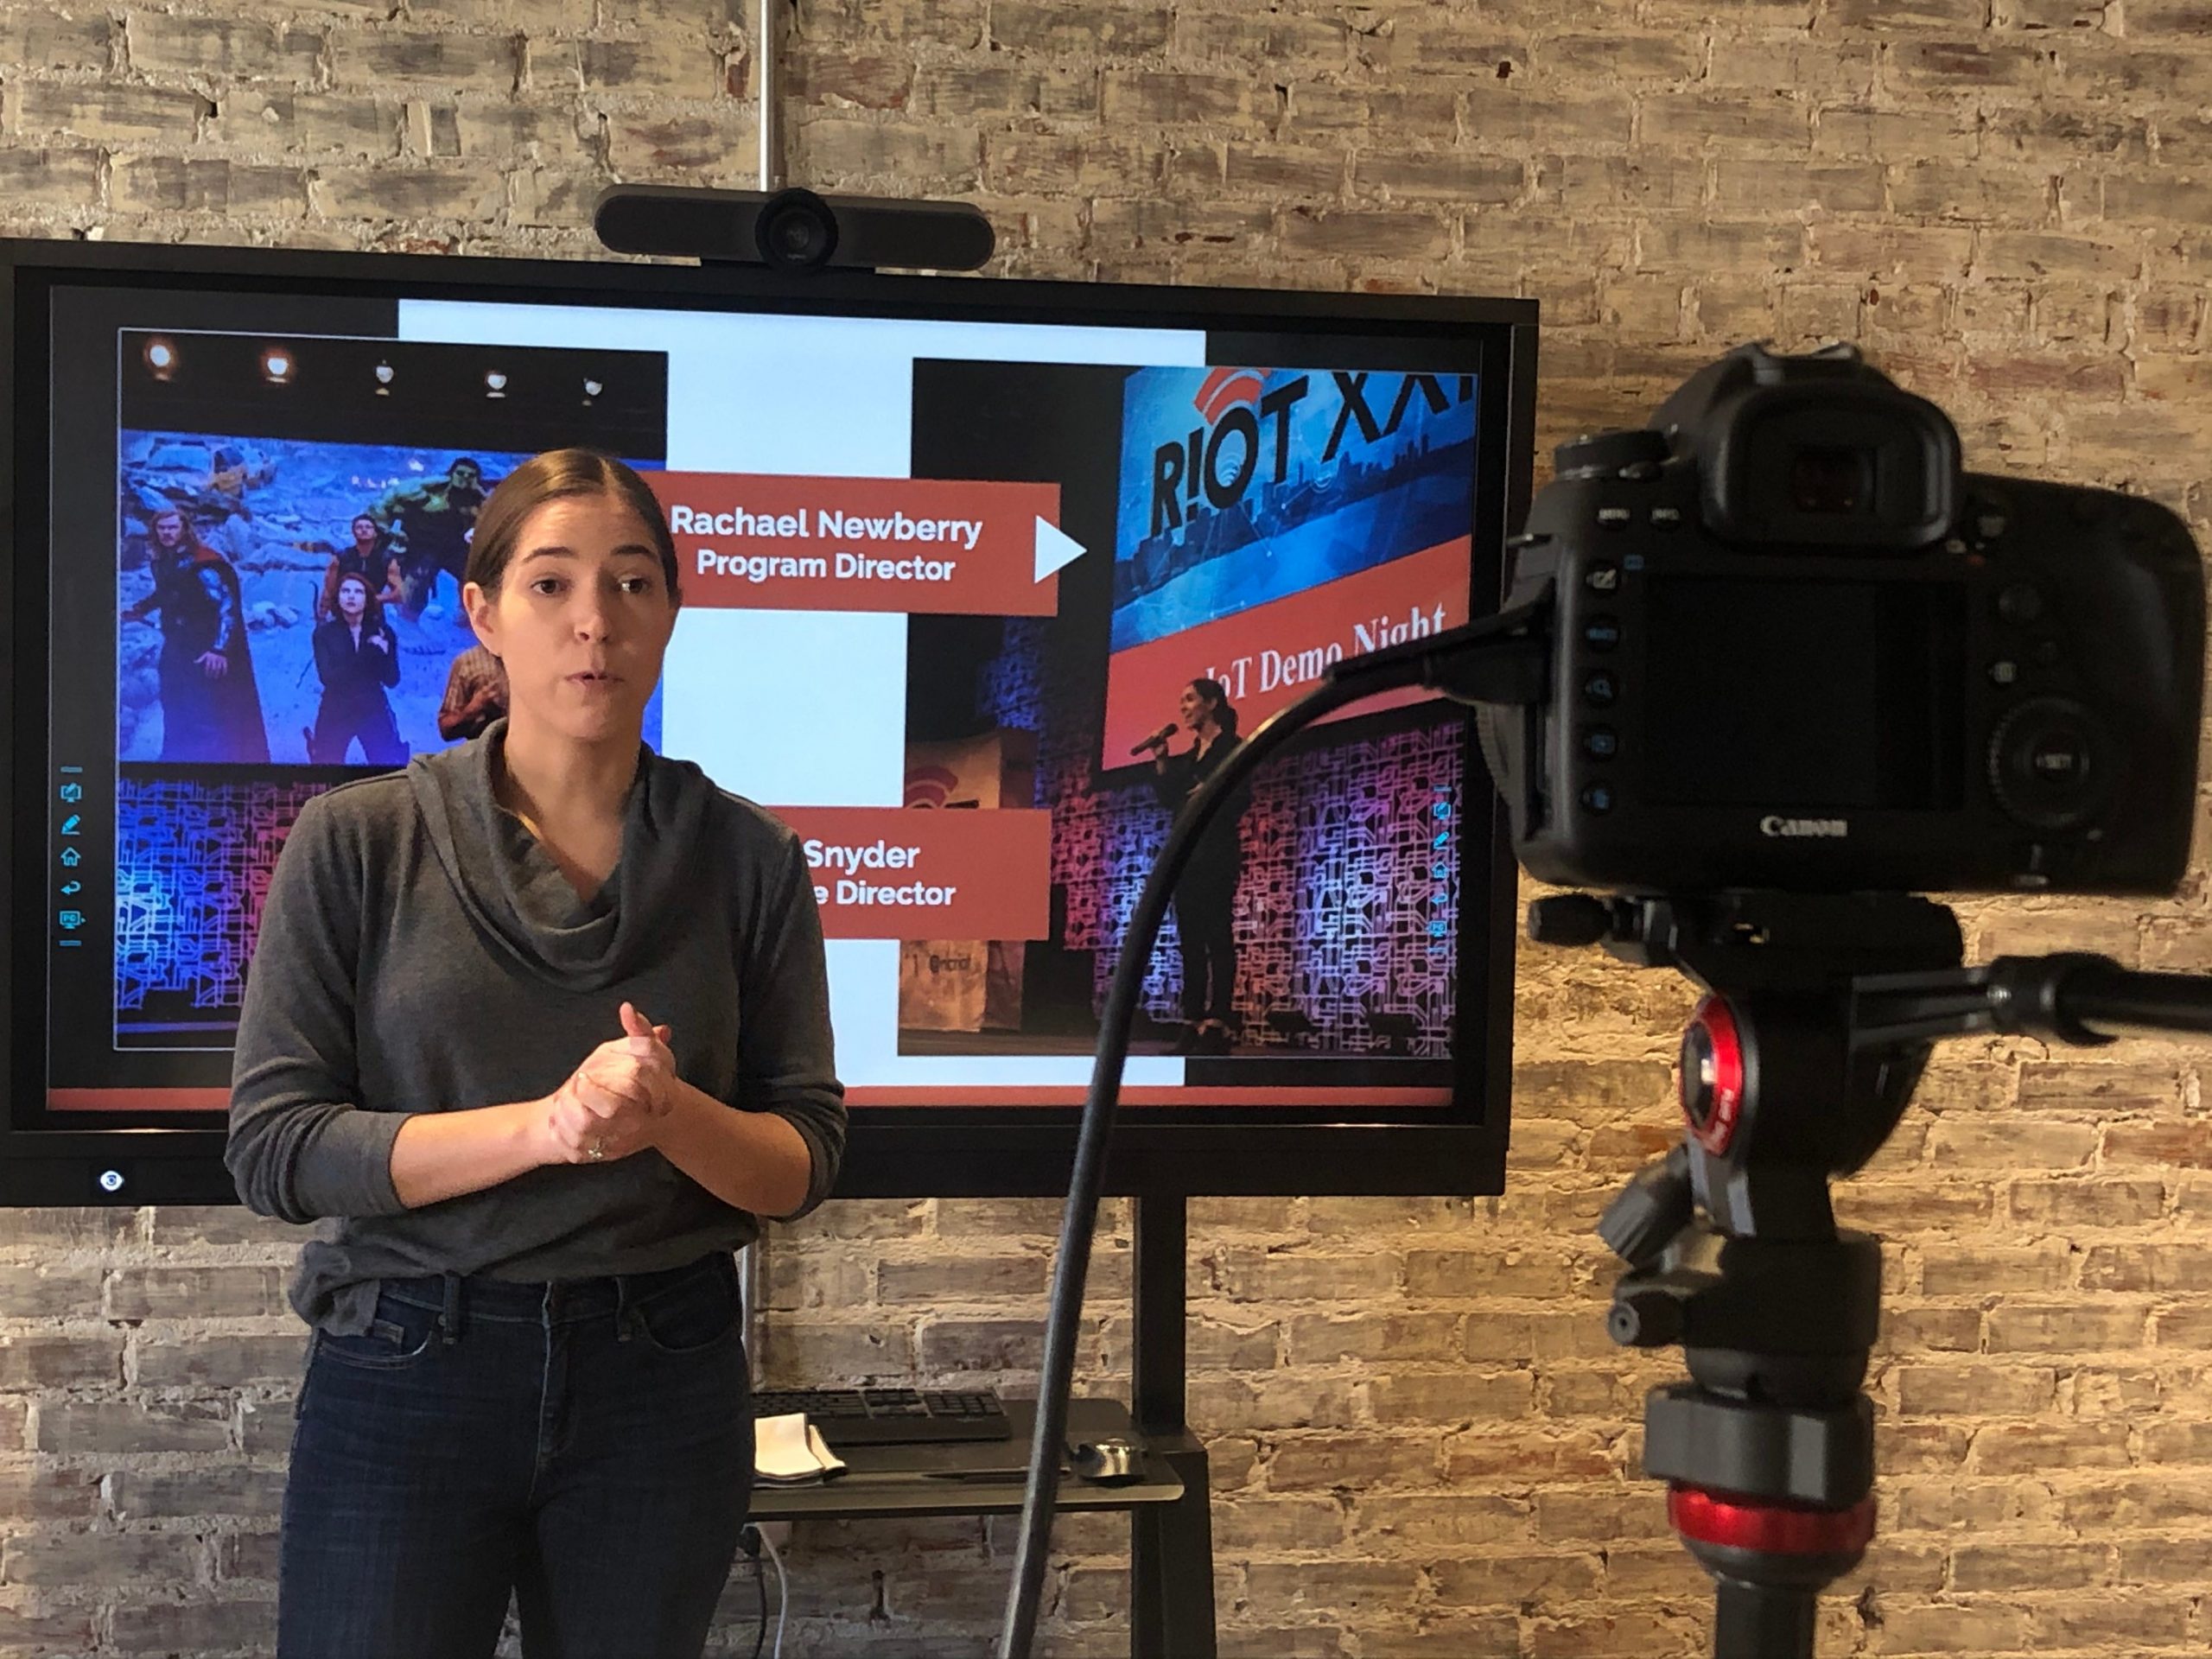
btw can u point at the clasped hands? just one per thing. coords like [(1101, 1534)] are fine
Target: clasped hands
[(616, 1102)]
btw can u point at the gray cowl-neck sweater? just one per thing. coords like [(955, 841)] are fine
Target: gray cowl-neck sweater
[(419, 952)]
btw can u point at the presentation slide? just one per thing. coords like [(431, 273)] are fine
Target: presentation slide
[(1273, 522), (949, 592)]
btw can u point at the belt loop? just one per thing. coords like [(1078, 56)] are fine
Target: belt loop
[(623, 1313), (449, 1319)]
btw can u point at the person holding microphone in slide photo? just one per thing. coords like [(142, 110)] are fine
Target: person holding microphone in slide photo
[(1205, 897), (535, 1029)]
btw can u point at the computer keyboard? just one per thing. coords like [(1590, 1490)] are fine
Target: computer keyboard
[(892, 1416)]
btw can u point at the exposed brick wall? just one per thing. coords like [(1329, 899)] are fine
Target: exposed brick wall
[(1423, 1444)]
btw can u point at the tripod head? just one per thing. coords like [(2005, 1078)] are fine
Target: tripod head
[(1820, 1013), (1781, 1090)]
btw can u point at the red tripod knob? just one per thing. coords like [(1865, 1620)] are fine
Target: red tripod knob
[(1713, 1074), (1771, 1529)]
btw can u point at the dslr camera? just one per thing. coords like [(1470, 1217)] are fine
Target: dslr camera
[(1795, 647)]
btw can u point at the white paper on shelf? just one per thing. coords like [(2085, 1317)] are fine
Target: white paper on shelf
[(788, 1450)]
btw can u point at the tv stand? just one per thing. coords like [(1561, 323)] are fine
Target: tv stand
[(1171, 1546), (1171, 1525)]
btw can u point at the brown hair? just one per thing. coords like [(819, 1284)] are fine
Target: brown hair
[(371, 611), (189, 539), (551, 477)]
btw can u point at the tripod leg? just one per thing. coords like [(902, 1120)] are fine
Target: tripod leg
[(1761, 1621)]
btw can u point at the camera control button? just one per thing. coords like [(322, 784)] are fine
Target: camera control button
[(1600, 688), (1607, 454), (2005, 672), (1614, 518), (2049, 764), (1600, 742), (2021, 603), (2058, 760), (1604, 577), (1666, 518), (1598, 798), (1601, 633)]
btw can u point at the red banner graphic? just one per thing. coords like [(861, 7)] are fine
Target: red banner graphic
[(1273, 653), (915, 872), (216, 1100), (958, 547), (1138, 1094), (138, 1100)]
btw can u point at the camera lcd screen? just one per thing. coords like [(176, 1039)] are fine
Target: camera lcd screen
[(1872, 715)]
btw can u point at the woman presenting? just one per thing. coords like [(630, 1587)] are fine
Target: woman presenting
[(1205, 897), (535, 1029)]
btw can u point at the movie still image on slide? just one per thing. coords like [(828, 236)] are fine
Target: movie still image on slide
[(298, 603), (1318, 916), (293, 525)]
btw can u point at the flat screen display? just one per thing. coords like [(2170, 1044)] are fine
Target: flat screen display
[(950, 554)]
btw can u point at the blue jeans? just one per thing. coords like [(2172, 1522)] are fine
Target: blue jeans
[(587, 1444)]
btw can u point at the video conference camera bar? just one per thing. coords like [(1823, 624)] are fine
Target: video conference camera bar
[(793, 231)]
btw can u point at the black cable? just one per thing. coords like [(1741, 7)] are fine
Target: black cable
[(1501, 657), (749, 1540)]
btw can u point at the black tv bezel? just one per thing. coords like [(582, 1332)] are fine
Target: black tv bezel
[(894, 1152)]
